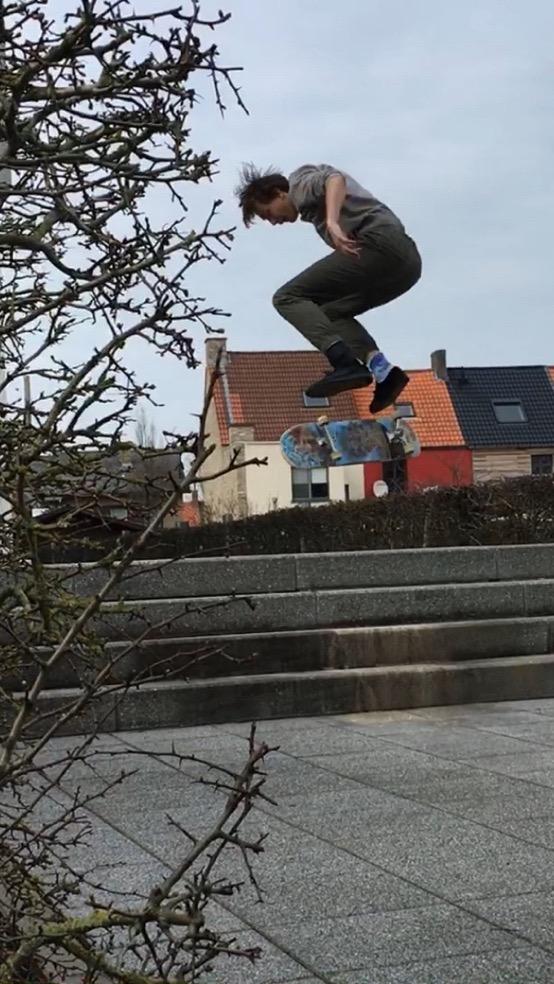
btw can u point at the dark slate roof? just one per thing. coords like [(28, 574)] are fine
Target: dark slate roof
[(472, 392)]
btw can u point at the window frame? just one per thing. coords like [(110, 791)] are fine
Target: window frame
[(315, 402), (310, 498), (545, 454), (509, 403), (405, 403)]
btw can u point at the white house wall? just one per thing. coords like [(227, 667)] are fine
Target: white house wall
[(222, 495), (270, 487)]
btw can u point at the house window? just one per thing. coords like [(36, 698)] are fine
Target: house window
[(315, 401), (541, 464), (404, 409), (509, 411), (310, 484)]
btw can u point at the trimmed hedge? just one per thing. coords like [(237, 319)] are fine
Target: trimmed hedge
[(513, 511)]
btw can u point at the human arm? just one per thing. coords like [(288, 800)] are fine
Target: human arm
[(318, 191), (335, 193)]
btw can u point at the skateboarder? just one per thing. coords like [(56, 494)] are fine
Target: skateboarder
[(373, 261)]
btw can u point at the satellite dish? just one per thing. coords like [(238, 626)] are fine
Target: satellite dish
[(380, 488)]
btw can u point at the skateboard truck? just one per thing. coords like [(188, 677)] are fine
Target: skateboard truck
[(322, 422)]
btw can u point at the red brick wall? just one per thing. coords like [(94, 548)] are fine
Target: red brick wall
[(434, 466)]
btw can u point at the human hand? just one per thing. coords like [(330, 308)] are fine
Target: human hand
[(341, 241)]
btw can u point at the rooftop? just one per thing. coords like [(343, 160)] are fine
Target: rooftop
[(435, 421), (264, 390), (504, 406)]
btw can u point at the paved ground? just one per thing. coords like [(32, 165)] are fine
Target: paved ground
[(405, 847)]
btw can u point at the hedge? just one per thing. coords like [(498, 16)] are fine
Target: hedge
[(512, 511)]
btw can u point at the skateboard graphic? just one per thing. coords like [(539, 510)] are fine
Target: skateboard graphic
[(348, 442)]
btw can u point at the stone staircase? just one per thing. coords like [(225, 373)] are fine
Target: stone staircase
[(318, 634)]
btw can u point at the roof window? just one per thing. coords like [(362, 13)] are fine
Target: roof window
[(509, 412), (315, 401)]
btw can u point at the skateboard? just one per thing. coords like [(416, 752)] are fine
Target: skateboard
[(348, 442)]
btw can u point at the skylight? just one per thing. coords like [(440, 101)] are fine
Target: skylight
[(315, 401), (509, 411), (404, 409)]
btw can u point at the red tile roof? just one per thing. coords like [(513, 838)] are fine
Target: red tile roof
[(435, 421), (189, 512), (265, 392)]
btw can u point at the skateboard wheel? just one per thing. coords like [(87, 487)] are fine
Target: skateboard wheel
[(323, 420)]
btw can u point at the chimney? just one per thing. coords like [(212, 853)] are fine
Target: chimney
[(213, 347), (438, 364)]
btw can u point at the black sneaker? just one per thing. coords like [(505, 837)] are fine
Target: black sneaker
[(345, 378), (389, 390)]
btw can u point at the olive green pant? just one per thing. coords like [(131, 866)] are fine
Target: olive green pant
[(323, 301)]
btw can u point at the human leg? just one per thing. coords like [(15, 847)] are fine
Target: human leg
[(322, 303), (302, 302), (393, 265)]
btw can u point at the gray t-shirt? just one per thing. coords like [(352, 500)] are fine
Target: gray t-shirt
[(361, 211)]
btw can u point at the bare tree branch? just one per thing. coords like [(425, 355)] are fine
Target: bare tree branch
[(95, 122)]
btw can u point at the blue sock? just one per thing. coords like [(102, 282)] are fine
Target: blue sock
[(380, 366)]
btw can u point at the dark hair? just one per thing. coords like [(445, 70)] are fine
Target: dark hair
[(257, 188)]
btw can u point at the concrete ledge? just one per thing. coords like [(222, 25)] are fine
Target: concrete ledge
[(208, 616), (313, 650), (98, 716), (430, 603), (331, 692), (326, 609), (526, 560), (300, 610), (195, 578), (539, 597), (383, 568), (282, 573)]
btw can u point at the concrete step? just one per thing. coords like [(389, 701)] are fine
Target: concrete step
[(300, 572), (335, 608), (312, 650), (246, 698)]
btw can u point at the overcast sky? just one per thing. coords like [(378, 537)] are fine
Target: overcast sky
[(444, 111)]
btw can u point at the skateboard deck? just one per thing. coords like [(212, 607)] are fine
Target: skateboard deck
[(325, 443)]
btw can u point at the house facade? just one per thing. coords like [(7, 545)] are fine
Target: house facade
[(444, 460), (506, 416), (259, 395), (126, 486), (473, 425)]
